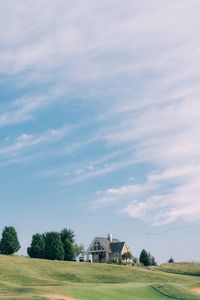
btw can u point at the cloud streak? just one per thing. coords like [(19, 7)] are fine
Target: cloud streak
[(25, 140), (132, 70)]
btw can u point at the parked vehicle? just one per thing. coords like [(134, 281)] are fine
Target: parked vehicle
[(81, 259)]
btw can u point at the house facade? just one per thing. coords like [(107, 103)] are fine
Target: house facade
[(104, 250)]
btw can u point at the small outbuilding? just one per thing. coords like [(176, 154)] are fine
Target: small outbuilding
[(104, 250)]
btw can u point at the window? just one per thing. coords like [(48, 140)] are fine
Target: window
[(96, 247)]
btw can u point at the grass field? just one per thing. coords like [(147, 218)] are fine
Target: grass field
[(24, 278), (182, 268)]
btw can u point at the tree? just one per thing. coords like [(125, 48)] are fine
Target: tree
[(135, 260), (53, 246), (36, 249), (145, 258), (78, 249), (127, 255), (68, 239), (67, 234), (9, 243), (68, 250), (153, 261)]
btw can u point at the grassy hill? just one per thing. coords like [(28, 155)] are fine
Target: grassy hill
[(24, 278), (182, 268)]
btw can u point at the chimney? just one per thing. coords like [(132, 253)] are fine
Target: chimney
[(110, 237)]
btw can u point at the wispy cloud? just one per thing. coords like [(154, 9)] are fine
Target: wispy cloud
[(93, 172), (163, 198), (20, 110), (165, 136), (89, 169), (134, 70), (31, 140)]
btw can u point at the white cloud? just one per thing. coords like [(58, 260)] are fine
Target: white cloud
[(139, 61), (29, 140), (152, 202), (21, 110), (97, 171)]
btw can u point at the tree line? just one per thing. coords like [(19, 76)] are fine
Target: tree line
[(55, 245), (49, 245)]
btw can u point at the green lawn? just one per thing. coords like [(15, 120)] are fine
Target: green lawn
[(24, 278), (182, 268)]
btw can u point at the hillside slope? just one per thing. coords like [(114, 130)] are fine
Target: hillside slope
[(24, 278), (182, 268)]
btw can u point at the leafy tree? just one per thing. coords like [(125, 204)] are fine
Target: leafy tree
[(127, 255), (135, 260), (53, 246), (171, 260), (145, 258), (67, 234), (78, 249), (36, 249), (9, 243)]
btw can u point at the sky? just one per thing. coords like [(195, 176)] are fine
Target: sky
[(100, 121)]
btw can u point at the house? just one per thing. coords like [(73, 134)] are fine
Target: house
[(104, 250)]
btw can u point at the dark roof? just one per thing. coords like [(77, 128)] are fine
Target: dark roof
[(117, 247), (105, 243)]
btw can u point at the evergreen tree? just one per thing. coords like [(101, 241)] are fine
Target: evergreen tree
[(68, 250), (53, 246), (145, 258), (9, 243), (68, 239), (153, 261), (36, 249), (67, 234)]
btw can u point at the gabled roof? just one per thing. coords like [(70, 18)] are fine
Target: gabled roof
[(105, 243), (117, 247)]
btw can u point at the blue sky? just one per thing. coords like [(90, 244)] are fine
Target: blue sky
[(100, 121)]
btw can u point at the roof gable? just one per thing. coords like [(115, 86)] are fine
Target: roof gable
[(96, 245), (104, 244)]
